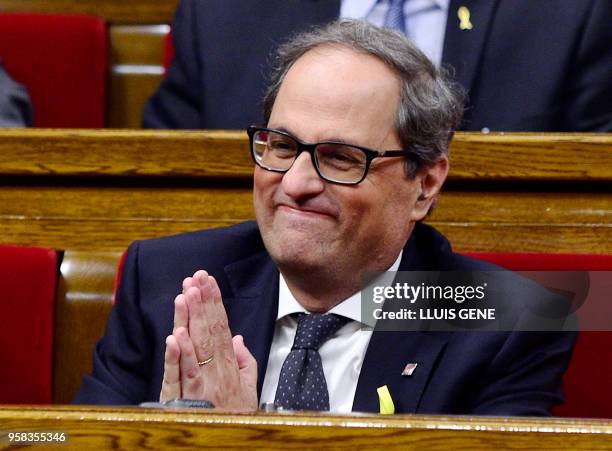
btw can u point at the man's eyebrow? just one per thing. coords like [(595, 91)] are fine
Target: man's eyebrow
[(332, 139), (284, 130), (339, 140)]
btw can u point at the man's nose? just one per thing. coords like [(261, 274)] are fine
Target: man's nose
[(302, 180)]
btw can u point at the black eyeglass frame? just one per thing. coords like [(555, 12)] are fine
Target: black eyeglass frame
[(310, 148)]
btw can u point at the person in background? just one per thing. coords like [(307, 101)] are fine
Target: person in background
[(15, 107), (526, 65)]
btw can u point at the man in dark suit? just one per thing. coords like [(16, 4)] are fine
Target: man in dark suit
[(15, 108), (327, 215), (527, 66)]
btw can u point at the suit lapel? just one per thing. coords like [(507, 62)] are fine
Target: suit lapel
[(463, 49), (389, 352), (387, 355), (253, 308)]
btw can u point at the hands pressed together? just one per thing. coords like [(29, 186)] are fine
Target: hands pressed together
[(202, 360)]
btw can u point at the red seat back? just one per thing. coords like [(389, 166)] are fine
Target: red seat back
[(587, 380), (168, 50), (118, 275), (62, 61), (28, 277)]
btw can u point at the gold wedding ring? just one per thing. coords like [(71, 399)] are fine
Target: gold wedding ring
[(206, 361)]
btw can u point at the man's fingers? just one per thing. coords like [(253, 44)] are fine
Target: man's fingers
[(201, 332), (198, 318), (181, 314), (198, 325), (224, 362), (200, 278), (216, 292), (187, 283), (171, 385), (192, 382), (247, 366), (218, 323), (214, 302)]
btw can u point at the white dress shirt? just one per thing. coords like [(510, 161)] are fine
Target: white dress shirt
[(425, 21), (341, 355)]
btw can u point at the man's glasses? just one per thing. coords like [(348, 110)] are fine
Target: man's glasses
[(335, 162)]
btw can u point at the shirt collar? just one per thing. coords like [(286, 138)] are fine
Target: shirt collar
[(349, 308)]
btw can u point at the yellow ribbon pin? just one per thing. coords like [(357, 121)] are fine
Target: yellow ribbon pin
[(386, 403), (464, 18)]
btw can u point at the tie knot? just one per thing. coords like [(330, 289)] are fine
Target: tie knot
[(314, 329)]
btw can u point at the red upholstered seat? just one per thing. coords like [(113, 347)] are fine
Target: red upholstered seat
[(62, 61), (587, 381), (118, 275), (28, 278), (168, 50)]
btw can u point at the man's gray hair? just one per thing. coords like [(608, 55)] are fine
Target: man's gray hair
[(431, 106)]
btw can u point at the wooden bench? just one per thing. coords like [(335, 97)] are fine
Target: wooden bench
[(90, 193), (100, 190), (133, 428)]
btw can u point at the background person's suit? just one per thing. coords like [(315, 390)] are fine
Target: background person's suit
[(15, 107), (528, 65), (500, 373)]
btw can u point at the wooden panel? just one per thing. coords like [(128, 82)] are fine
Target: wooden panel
[(104, 428), (475, 157), (573, 239), (85, 297), (119, 11), (136, 57), (527, 208), (125, 153), (526, 222), (155, 204), (533, 156), (90, 218), (137, 44), (128, 93), (101, 189)]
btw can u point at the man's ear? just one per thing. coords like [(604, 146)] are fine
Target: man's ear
[(430, 180)]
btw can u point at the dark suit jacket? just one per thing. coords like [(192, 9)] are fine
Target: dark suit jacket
[(528, 65), (501, 373), (15, 107)]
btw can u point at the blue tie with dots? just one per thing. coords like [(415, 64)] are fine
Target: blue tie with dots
[(395, 16), (302, 385)]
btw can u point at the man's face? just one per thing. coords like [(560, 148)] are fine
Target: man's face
[(308, 224)]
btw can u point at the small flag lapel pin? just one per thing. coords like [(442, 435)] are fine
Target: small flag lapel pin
[(463, 13), (409, 369)]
